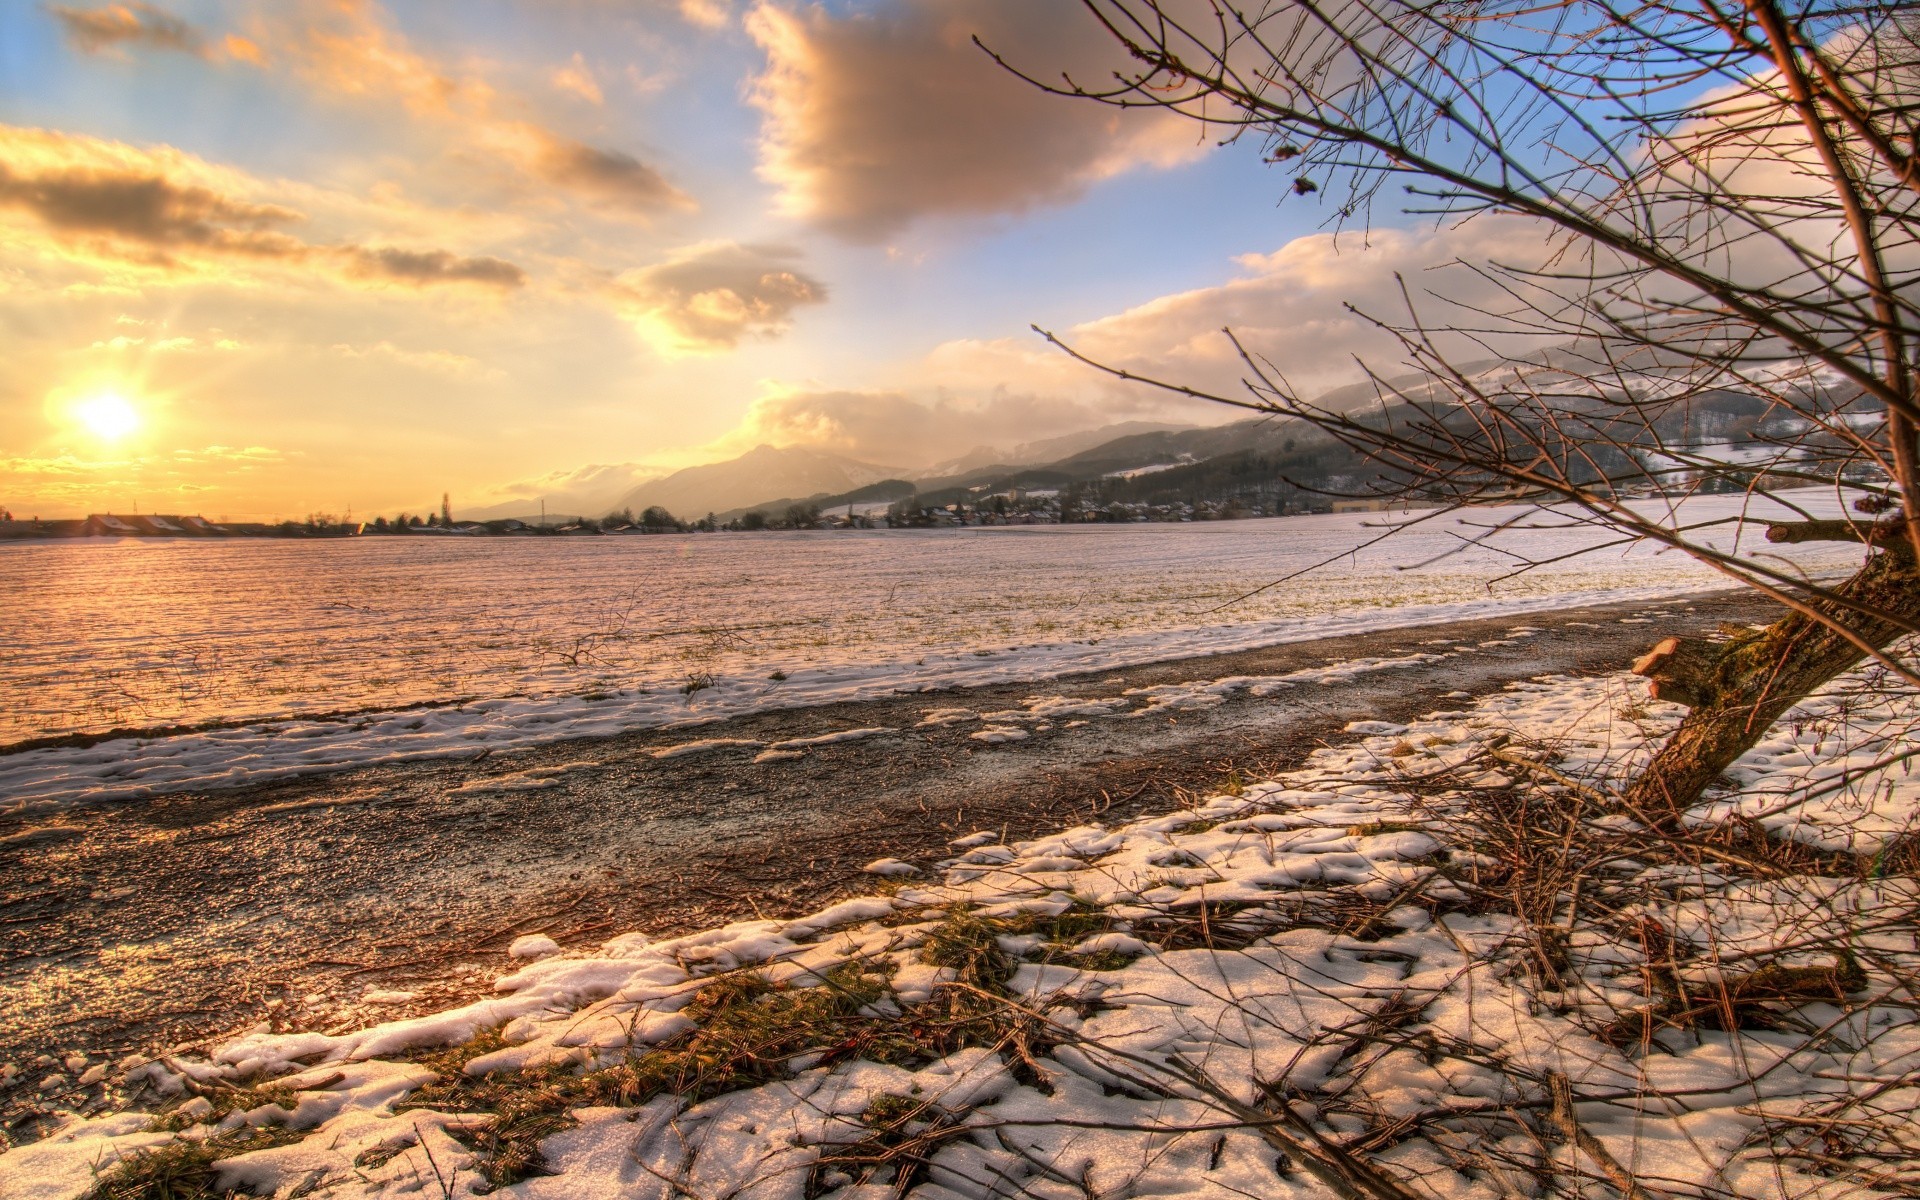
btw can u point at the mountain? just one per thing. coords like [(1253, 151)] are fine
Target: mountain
[(1138, 459), (752, 479), (1045, 450), (585, 491), (769, 479)]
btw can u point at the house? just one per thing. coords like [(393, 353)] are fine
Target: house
[(107, 525)]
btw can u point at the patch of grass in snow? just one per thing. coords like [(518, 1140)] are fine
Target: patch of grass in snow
[(1375, 828), (226, 1101), (185, 1169), (1218, 924), (975, 1009), (1203, 825), (1758, 999), (970, 943), (907, 1133), (749, 1031)]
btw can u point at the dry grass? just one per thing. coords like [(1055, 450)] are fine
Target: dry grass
[(185, 1169)]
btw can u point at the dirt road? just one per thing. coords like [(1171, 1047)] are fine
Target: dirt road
[(329, 901)]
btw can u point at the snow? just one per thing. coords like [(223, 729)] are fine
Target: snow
[(533, 779), (996, 735), (831, 739), (939, 717), (533, 945), (704, 746), (311, 654), (1435, 1022)]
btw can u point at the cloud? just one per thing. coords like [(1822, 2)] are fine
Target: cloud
[(607, 176), (78, 483), (1288, 306), (170, 345), (147, 209), (423, 267), (111, 26), (114, 28), (346, 48), (707, 14), (110, 202), (439, 362), (1291, 308), (576, 78), (349, 50), (873, 119), (916, 428), (712, 296)]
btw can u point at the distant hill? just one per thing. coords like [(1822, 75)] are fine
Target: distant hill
[(751, 479), (1274, 463), (1138, 460), (1044, 450), (768, 479)]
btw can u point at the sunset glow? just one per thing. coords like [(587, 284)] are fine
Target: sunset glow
[(108, 416), (520, 252)]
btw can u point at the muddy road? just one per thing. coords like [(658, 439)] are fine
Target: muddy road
[(344, 899)]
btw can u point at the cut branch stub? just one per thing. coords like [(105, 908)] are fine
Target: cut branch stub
[(1681, 670), (1869, 533), (1757, 678)]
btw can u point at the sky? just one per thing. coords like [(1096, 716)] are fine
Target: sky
[(265, 259)]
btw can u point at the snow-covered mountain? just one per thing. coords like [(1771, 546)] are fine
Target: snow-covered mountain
[(1044, 450)]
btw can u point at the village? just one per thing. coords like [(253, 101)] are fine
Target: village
[(1015, 507)]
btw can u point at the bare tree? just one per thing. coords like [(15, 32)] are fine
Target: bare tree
[(1727, 197)]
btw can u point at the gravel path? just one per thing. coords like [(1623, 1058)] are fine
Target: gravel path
[(341, 899)]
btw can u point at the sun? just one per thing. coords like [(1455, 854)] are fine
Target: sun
[(109, 416)]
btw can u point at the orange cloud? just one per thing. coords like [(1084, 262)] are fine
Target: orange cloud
[(422, 267), (345, 48), (112, 26), (711, 297), (115, 28), (607, 178), (164, 209), (576, 78)]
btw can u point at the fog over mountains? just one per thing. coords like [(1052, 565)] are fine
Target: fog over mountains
[(768, 475), (1246, 457)]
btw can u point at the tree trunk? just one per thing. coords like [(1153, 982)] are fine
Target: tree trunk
[(1738, 689)]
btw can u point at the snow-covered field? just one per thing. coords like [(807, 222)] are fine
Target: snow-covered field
[(1385, 974), (301, 657)]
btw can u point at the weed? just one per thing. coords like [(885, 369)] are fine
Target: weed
[(1374, 828), (229, 1100), (749, 1032), (185, 1170), (778, 677), (906, 1135)]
